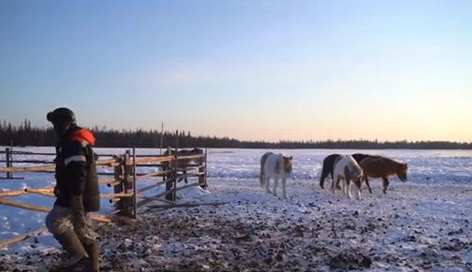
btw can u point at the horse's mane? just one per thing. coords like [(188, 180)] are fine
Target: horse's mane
[(388, 160)]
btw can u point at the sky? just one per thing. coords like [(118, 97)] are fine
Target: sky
[(252, 70)]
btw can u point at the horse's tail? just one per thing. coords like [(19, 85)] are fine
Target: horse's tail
[(324, 173), (262, 173)]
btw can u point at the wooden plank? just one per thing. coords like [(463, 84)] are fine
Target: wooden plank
[(25, 206), (116, 195), (27, 169), (11, 203), (157, 197), (41, 191), (191, 157), (49, 167), (13, 193), (154, 174), (28, 161), (148, 160), (23, 237)]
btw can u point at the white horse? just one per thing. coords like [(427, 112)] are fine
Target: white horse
[(347, 169), (275, 166)]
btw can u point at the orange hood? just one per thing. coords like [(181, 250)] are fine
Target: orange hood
[(83, 134)]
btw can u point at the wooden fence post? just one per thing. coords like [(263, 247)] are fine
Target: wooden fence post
[(176, 165), (134, 199), (123, 174), (8, 159), (127, 185), (206, 168), (118, 188), (202, 171), (168, 177)]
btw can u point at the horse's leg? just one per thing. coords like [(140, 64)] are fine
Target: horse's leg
[(368, 184), (359, 190), (267, 181), (276, 183), (338, 186), (333, 185), (385, 185), (349, 188), (185, 175), (284, 190), (345, 187)]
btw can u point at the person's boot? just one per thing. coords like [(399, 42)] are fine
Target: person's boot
[(71, 243), (93, 253)]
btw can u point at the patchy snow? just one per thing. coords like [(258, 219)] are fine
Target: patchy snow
[(421, 225)]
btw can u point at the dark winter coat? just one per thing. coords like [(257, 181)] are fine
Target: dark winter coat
[(76, 172)]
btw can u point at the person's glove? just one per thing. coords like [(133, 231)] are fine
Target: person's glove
[(56, 191)]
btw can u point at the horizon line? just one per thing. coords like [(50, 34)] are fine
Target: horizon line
[(173, 132)]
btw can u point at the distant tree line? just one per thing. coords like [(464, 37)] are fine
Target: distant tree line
[(26, 135)]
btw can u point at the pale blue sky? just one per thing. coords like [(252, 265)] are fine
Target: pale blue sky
[(247, 69)]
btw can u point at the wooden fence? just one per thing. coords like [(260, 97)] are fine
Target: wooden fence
[(127, 173)]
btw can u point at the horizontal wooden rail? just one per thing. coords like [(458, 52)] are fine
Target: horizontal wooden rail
[(108, 163), (11, 203), (157, 197), (29, 153), (25, 206), (49, 193), (27, 169), (28, 161), (22, 237)]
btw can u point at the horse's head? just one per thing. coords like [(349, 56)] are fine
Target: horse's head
[(402, 172), (288, 164), (354, 168)]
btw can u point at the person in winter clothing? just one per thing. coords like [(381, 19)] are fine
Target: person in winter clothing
[(77, 192)]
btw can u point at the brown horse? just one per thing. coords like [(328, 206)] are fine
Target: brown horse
[(382, 167)]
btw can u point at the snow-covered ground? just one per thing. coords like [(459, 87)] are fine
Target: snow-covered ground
[(423, 224)]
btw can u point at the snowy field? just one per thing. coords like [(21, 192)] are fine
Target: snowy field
[(420, 225)]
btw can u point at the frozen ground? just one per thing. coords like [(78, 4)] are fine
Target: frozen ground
[(421, 225)]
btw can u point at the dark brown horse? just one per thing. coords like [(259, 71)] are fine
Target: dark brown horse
[(360, 156), (381, 167), (328, 168), (183, 163)]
